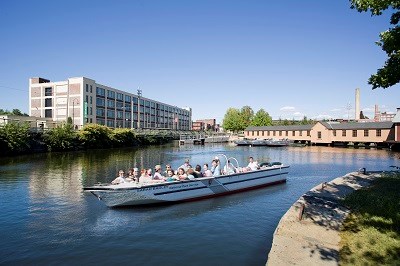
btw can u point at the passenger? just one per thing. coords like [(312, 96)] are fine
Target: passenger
[(120, 178), (206, 171), (186, 165), (149, 173), (191, 175), (157, 173), (215, 168), (197, 170), (171, 176), (181, 174), (167, 167), (129, 178), (253, 165), (229, 168), (136, 175), (144, 177)]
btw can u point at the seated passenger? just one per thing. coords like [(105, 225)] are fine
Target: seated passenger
[(167, 167), (157, 173), (191, 175), (197, 171), (186, 165), (206, 171), (253, 165), (181, 174), (120, 178), (229, 169), (171, 176), (215, 169), (144, 177)]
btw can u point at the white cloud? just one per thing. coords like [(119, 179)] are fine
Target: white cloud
[(322, 117), (368, 109), (288, 108), (298, 114), (336, 110)]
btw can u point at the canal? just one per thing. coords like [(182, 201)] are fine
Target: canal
[(46, 218)]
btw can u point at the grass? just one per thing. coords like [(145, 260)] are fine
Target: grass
[(371, 233)]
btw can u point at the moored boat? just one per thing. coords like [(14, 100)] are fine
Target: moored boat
[(242, 142), (132, 193)]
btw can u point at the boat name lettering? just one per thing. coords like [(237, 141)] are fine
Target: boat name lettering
[(151, 188), (184, 186)]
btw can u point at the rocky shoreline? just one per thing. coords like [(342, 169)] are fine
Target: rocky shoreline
[(308, 233)]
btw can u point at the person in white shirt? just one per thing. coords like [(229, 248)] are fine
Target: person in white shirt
[(120, 178), (206, 171), (253, 165), (229, 168), (157, 173), (186, 165)]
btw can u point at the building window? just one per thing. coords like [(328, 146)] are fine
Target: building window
[(48, 91), (110, 113), (287, 133), (91, 100), (110, 94), (48, 103), (354, 133), (273, 133), (91, 89), (91, 111), (110, 103), (100, 92), (128, 98), (120, 105), (87, 98), (100, 102), (48, 113), (100, 121), (366, 132), (378, 132), (87, 87), (300, 133), (334, 132), (280, 133), (120, 115), (319, 134), (293, 133), (343, 133), (308, 133), (258, 133), (100, 112), (268, 133), (110, 123), (120, 96), (262, 133)]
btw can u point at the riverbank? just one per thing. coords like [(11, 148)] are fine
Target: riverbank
[(308, 234)]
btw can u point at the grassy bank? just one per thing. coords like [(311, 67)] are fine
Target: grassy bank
[(371, 233)]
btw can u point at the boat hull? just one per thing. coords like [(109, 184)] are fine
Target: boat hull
[(130, 194)]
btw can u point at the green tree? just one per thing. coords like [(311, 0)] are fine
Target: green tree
[(261, 118), (14, 138), (60, 138), (95, 136), (246, 114), (233, 120), (389, 74)]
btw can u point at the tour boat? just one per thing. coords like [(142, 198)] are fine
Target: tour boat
[(132, 193)]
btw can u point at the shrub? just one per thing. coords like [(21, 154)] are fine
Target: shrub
[(60, 138), (123, 137), (14, 138), (95, 136)]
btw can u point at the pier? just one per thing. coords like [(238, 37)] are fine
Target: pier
[(201, 138)]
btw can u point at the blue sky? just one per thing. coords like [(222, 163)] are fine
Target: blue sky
[(291, 58)]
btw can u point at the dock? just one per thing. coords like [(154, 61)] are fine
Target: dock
[(202, 138)]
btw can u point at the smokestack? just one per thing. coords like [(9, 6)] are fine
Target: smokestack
[(357, 104)]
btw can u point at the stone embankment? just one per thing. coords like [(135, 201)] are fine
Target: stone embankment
[(308, 234)]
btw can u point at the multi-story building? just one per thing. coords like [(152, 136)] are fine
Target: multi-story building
[(206, 124), (86, 101)]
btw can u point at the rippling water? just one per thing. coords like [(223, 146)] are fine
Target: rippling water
[(46, 218)]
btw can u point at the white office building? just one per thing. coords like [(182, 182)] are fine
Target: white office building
[(86, 101)]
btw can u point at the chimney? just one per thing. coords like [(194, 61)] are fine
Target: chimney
[(357, 117)]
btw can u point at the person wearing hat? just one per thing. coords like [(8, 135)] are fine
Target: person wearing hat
[(120, 178), (186, 165), (157, 173)]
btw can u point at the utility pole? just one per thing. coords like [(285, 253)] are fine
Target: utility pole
[(139, 93)]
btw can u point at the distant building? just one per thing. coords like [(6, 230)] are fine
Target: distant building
[(206, 124), (86, 101), (33, 122), (198, 126)]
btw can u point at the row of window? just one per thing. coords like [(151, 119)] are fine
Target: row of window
[(274, 133), (378, 133), (281, 133), (148, 104)]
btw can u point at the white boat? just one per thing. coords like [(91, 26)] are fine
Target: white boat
[(132, 193)]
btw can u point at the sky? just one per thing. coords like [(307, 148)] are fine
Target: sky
[(291, 58)]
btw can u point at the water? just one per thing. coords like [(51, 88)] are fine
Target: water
[(46, 218)]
